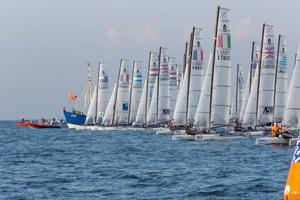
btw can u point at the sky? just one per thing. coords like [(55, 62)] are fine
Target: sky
[(45, 44)]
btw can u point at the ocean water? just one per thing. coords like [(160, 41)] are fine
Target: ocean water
[(66, 164)]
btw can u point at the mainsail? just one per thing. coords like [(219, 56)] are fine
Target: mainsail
[(153, 73), (140, 115), (122, 98), (172, 84), (196, 74), (163, 88), (109, 112), (202, 113), (152, 113), (221, 86), (103, 97), (281, 84), (267, 76), (292, 112), (136, 91)]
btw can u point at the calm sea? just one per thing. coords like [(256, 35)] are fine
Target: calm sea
[(84, 165)]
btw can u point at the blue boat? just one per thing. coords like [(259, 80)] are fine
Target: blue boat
[(74, 118)]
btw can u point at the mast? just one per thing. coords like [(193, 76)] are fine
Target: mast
[(157, 96), (147, 84), (237, 89), (116, 96), (184, 57), (275, 81), (213, 65), (189, 73), (130, 93), (251, 65), (97, 93), (259, 70)]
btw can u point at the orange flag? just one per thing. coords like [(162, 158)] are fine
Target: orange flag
[(71, 97)]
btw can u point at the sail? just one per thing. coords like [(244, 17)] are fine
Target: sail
[(179, 76), (282, 81), (249, 118), (196, 75), (202, 112), (122, 101), (221, 92), (180, 106), (267, 76), (245, 97), (91, 114), (109, 112), (103, 97), (152, 113), (136, 93), (164, 91), (153, 73), (172, 84), (292, 112), (140, 115)]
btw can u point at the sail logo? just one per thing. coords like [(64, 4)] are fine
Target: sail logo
[(198, 55), (223, 41), (268, 52), (296, 157)]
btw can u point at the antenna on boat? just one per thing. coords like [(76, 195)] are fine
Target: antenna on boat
[(213, 66), (259, 71), (275, 81), (116, 96)]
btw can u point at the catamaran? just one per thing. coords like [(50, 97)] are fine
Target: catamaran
[(191, 87), (281, 100)]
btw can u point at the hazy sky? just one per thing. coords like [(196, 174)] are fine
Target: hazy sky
[(44, 44)]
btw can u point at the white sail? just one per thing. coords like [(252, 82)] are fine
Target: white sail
[(245, 97), (292, 112), (267, 77), (180, 106), (109, 112), (90, 117), (179, 76), (122, 101), (153, 73), (282, 81), (238, 99), (202, 112), (140, 116), (196, 75), (221, 92), (172, 84), (249, 119), (103, 97), (152, 113), (164, 91), (136, 93)]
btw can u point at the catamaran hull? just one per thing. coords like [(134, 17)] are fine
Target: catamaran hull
[(216, 137), (254, 133), (183, 137), (164, 131), (271, 140)]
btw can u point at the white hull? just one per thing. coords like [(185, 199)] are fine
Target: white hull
[(183, 137), (164, 131), (254, 133), (216, 137), (271, 140)]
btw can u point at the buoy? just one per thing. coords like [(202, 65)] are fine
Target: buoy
[(292, 187)]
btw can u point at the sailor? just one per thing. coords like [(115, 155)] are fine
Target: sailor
[(275, 130)]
